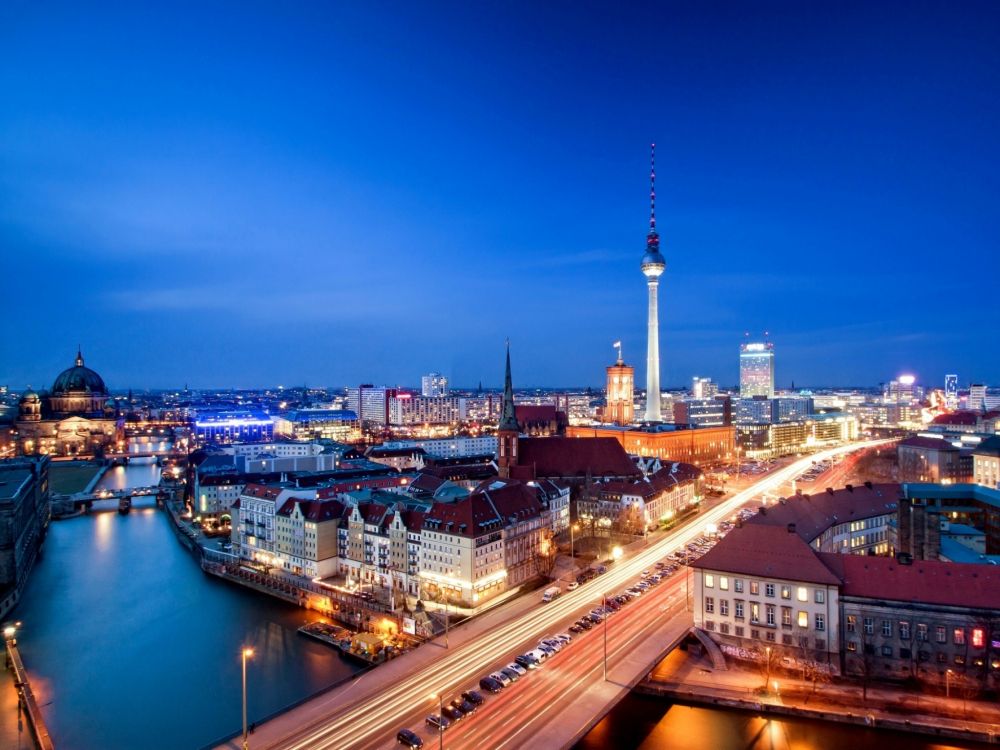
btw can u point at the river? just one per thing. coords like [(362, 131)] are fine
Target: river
[(130, 645), (647, 723)]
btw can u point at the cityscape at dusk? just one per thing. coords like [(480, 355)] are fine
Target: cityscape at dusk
[(500, 376)]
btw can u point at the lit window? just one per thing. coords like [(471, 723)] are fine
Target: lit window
[(978, 638), (803, 619), (802, 594), (709, 581), (724, 583)]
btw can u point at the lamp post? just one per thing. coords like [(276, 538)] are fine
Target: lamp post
[(440, 699), (605, 613), (247, 653), (947, 684), (572, 541), (767, 679)]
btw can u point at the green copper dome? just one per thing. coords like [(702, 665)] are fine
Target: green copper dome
[(79, 379)]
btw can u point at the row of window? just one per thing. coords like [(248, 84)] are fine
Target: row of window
[(770, 613), (770, 589), (976, 636), (739, 631)]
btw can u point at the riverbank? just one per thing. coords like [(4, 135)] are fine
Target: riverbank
[(689, 679), (26, 696)]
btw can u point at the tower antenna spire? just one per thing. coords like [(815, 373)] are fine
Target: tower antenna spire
[(652, 188)]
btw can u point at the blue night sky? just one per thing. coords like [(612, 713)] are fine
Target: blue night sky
[(264, 193)]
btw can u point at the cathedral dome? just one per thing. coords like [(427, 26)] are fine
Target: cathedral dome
[(79, 379)]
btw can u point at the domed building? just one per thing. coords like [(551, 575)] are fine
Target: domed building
[(74, 418)]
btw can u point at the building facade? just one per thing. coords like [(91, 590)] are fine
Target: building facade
[(620, 393), (757, 369)]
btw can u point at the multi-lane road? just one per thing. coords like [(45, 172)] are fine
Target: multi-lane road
[(369, 713)]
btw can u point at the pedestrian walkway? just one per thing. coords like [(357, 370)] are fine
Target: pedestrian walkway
[(690, 678)]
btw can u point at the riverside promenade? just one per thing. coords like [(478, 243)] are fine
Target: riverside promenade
[(684, 678), (26, 696)]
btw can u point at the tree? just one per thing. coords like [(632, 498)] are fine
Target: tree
[(545, 554)]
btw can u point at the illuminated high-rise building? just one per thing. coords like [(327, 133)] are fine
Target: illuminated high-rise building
[(757, 369), (433, 385), (703, 387), (653, 265), (620, 391), (951, 391)]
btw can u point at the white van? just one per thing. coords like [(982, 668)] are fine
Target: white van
[(551, 593)]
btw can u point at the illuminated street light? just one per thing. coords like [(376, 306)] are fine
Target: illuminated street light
[(247, 653), (616, 553), (439, 697)]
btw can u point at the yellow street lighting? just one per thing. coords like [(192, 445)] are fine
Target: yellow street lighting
[(247, 653), (616, 553)]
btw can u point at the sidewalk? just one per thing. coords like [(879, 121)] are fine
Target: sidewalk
[(691, 679)]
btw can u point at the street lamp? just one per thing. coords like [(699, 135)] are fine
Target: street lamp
[(605, 613), (767, 678), (617, 553), (247, 653), (947, 684), (440, 699), (572, 541)]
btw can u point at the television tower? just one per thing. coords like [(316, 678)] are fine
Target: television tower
[(652, 267)]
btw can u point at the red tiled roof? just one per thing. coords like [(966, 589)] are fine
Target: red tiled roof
[(528, 413), (930, 443), (372, 512), (922, 582), (413, 520), (767, 552), (664, 480), (471, 516), (321, 510), (575, 457), (511, 499), (814, 514), (426, 482), (262, 491)]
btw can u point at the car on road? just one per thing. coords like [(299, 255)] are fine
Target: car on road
[(466, 707), (576, 628), (564, 637), (408, 738), (547, 650), (439, 723), (539, 655), (602, 569), (527, 661), (521, 671), (513, 674), (452, 714), (474, 697), (553, 642), (501, 678), (490, 685), (573, 585)]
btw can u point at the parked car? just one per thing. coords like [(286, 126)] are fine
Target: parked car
[(564, 637), (466, 707), (408, 738), (584, 623), (452, 714), (514, 675), (474, 697), (553, 642), (490, 685), (539, 655), (527, 661), (573, 585), (440, 723), (576, 628), (521, 671), (501, 678)]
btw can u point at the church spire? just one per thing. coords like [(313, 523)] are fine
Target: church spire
[(653, 238), (79, 356), (508, 416)]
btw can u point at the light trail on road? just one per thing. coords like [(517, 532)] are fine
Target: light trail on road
[(358, 723)]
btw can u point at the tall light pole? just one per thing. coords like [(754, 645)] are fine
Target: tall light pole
[(572, 541), (767, 679), (247, 653), (947, 684), (605, 613)]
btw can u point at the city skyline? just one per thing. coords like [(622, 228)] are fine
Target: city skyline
[(167, 217)]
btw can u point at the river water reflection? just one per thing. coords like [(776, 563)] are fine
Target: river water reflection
[(130, 645), (646, 723)]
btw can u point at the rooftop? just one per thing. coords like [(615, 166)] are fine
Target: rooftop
[(922, 582), (814, 514), (768, 552)]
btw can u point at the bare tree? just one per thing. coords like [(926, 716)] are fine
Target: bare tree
[(545, 554)]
